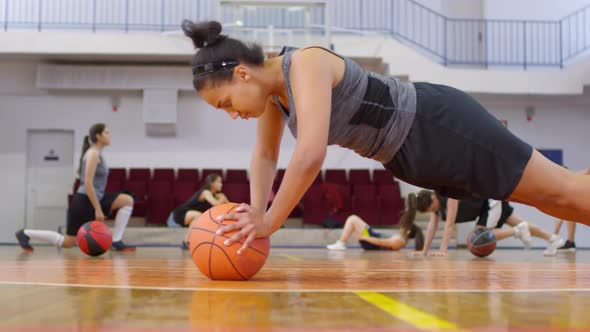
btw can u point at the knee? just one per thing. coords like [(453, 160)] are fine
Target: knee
[(128, 200), (352, 219)]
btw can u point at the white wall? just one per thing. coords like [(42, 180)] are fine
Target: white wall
[(505, 9), (405, 61), (462, 8), (553, 127), (204, 138), (531, 9), (436, 5)]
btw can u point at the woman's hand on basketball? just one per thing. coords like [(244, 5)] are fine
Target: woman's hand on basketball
[(98, 215), (249, 223)]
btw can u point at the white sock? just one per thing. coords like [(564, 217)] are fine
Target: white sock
[(553, 238), (121, 221), (46, 236)]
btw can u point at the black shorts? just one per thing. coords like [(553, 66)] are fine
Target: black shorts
[(81, 210), (472, 209), (458, 149), (179, 215), (507, 211), (369, 246)]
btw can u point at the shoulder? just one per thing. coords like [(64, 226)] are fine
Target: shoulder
[(309, 53), (92, 154), (315, 68), (312, 59)]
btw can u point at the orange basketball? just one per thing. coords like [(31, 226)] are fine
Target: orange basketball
[(218, 261)]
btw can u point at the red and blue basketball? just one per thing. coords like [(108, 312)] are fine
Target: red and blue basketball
[(481, 242), (94, 238)]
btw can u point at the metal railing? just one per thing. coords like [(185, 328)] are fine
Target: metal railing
[(447, 40)]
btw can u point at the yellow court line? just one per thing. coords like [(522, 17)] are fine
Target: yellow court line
[(408, 314), (292, 258)]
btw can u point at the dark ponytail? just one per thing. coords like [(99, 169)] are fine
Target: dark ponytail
[(408, 228), (215, 47), (418, 236), (410, 214), (95, 130)]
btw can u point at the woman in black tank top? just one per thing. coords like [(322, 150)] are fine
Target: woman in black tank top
[(205, 198), (201, 201), (453, 212), (454, 146)]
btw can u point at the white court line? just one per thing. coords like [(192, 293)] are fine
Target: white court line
[(335, 268), (278, 290)]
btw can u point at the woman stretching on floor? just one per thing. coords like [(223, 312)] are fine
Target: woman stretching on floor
[(204, 199), (372, 240)]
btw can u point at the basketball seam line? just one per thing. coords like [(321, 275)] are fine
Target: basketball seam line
[(90, 240), (213, 240), (225, 237), (226, 256), (228, 211)]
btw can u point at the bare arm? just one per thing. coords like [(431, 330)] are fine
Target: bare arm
[(222, 198), (430, 231), (312, 90), (263, 164), (452, 208), (208, 196), (312, 82)]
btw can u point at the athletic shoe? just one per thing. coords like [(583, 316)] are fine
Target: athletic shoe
[(184, 245), (523, 233), (23, 240), (555, 243), (338, 245), (120, 246), (568, 246)]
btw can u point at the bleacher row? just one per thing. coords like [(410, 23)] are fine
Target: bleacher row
[(333, 196)]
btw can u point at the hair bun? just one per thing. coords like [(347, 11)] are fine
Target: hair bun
[(203, 34)]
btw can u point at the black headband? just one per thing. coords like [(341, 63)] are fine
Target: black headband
[(212, 67)]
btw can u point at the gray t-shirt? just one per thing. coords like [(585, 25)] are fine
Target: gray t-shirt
[(100, 177), (371, 114)]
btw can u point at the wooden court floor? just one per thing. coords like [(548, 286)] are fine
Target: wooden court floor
[(159, 289)]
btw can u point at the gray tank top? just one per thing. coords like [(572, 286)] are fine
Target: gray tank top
[(100, 177), (371, 114)]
